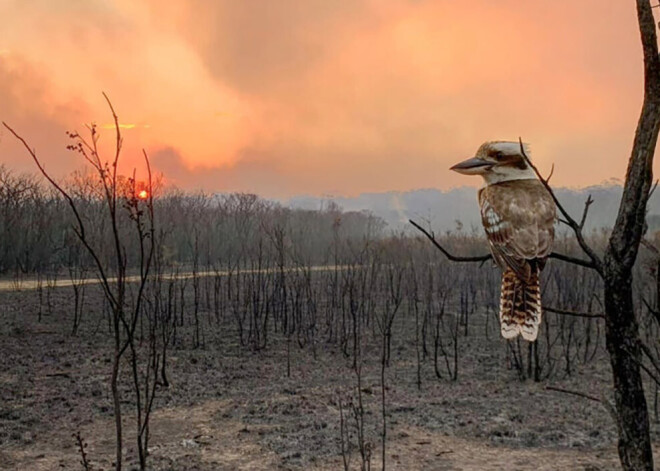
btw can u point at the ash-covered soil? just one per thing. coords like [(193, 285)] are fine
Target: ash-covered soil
[(231, 408)]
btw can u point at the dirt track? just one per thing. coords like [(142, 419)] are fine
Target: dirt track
[(61, 282)]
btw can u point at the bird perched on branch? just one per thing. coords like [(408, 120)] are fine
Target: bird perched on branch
[(518, 215)]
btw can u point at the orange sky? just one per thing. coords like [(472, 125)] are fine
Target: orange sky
[(324, 96)]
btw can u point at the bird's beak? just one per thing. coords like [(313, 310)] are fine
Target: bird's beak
[(473, 166)]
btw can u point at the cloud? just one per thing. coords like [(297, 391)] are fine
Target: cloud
[(28, 107), (326, 97), (250, 171), (386, 95), (82, 48), (256, 46)]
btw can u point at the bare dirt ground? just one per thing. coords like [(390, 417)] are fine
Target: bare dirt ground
[(231, 409)]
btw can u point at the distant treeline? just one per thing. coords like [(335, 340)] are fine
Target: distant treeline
[(445, 208), (194, 229), (198, 231)]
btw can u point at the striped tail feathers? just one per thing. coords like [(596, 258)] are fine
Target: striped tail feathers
[(520, 305), (508, 294)]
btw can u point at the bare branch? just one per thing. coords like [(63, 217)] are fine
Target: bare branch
[(652, 190), (646, 243), (602, 400), (118, 137), (485, 258), (80, 229), (552, 172), (574, 393), (586, 210), (573, 260), (654, 312), (453, 258), (564, 312), (649, 47), (568, 220), (629, 226), (651, 358)]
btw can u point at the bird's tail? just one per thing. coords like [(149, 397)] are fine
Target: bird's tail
[(520, 305)]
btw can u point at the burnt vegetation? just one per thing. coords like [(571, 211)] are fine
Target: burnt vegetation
[(125, 297)]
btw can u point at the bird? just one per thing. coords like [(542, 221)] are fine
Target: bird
[(518, 214)]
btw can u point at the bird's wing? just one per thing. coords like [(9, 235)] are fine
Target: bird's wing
[(518, 217)]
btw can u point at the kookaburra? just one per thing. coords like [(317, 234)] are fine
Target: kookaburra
[(518, 215)]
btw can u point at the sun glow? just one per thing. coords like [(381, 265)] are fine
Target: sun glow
[(143, 195), (125, 126)]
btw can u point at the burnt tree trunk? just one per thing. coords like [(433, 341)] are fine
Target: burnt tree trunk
[(622, 336), (622, 332)]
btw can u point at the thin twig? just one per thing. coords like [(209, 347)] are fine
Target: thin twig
[(573, 260), (586, 210), (649, 372), (568, 220), (84, 461), (647, 351), (552, 172), (453, 258), (564, 312), (652, 190), (601, 400), (574, 393), (646, 243), (654, 312)]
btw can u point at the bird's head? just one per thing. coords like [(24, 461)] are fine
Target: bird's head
[(498, 161)]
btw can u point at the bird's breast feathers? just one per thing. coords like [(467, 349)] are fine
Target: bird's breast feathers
[(518, 217)]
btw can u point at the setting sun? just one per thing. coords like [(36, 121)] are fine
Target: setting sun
[(143, 195)]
